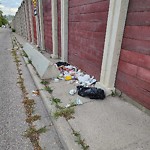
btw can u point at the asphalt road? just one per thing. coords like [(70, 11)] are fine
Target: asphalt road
[(12, 112)]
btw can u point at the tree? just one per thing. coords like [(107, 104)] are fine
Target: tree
[(1, 13), (3, 20)]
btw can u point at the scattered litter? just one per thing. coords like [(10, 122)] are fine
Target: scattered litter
[(85, 83), (69, 67), (91, 92), (56, 80), (62, 64), (78, 101), (69, 72), (84, 78), (68, 105), (77, 82), (60, 77), (71, 81), (68, 77), (35, 93), (73, 91)]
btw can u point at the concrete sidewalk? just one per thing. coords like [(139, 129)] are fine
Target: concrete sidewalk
[(111, 124)]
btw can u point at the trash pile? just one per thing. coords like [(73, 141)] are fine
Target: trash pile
[(91, 92), (35, 93), (85, 82)]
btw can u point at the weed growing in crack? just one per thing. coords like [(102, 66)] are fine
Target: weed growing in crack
[(80, 141), (32, 133), (17, 61), (29, 106), (29, 61), (28, 102), (67, 113), (114, 94), (56, 101), (64, 112), (21, 45), (61, 111), (42, 130), (24, 54), (48, 89), (44, 82), (31, 119)]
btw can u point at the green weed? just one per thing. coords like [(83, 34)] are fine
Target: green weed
[(64, 112), (48, 89), (25, 54), (80, 141), (33, 118), (56, 101), (42, 130), (44, 82), (29, 61)]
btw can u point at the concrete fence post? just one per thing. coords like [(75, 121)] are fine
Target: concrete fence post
[(31, 20), (113, 40), (54, 28), (38, 30), (42, 43), (27, 20), (64, 30)]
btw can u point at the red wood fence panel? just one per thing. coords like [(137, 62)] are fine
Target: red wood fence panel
[(47, 18), (133, 77), (87, 28)]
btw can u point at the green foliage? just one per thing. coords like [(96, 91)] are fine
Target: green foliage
[(65, 112), (3, 20), (42, 130), (13, 30), (48, 89), (114, 93), (29, 61), (56, 101), (31, 119), (44, 82), (32, 131), (24, 54), (80, 141)]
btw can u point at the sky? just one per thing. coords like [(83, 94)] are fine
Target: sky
[(9, 7)]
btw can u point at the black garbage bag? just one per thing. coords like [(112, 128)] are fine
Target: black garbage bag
[(62, 64), (91, 92)]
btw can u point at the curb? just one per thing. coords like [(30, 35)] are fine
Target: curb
[(62, 127)]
